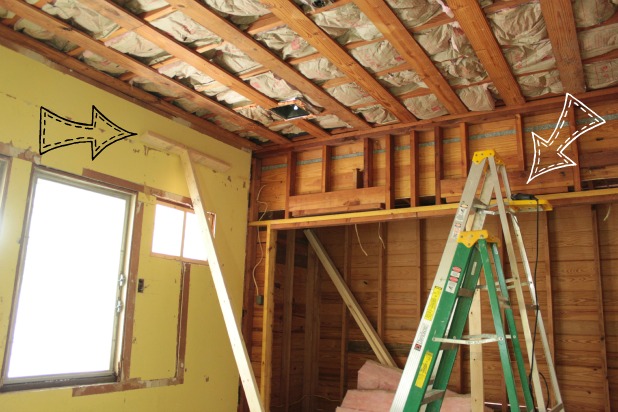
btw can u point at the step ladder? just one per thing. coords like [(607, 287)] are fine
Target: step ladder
[(459, 270)]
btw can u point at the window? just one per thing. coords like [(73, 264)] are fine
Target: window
[(177, 233), (71, 284)]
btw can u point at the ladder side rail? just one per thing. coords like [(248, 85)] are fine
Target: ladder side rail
[(538, 391), (494, 303), (541, 324), (457, 326), (461, 217), (475, 219), (508, 314)]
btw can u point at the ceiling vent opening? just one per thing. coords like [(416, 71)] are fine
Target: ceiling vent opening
[(295, 109)]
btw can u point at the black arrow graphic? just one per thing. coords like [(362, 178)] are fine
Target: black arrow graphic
[(56, 131)]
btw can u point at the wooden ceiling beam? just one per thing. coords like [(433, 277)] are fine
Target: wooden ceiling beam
[(66, 31), (537, 106), (27, 45), (398, 35), (296, 19), (560, 22), (262, 55), (123, 18), (474, 24)]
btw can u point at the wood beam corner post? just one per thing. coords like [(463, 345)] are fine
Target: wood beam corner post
[(268, 316)]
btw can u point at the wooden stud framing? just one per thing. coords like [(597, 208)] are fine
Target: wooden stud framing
[(389, 178), (600, 307), (520, 143), (345, 315), (577, 179), (290, 181), (414, 169), (288, 308), (312, 331), (268, 316), (382, 272), (326, 167), (438, 153), (368, 162), (548, 317), (359, 316), (466, 159)]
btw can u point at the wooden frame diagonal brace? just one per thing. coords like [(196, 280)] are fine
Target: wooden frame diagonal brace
[(384, 357), (243, 362)]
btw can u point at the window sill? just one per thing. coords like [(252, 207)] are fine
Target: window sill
[(129, 385)]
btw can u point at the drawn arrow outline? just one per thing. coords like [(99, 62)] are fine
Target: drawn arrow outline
[(540, 143), (53, 125)]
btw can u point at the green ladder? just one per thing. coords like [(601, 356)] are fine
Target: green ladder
[(446, 316)]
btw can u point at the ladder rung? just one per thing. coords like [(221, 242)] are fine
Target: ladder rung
[(433, 395), (477, 204), (558, 407), (471, 340)]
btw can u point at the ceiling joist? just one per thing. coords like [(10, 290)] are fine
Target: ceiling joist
[(560, 22), (63, 30), (291, 15), (396, 33), (474, 24), (260, 54)]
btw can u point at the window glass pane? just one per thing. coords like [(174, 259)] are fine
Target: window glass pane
[(167, 238), (66, 314), (194, 247)]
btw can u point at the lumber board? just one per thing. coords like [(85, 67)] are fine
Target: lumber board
[(357, 313), (239, 349), (341, 200), (268, 317), (165, 144)]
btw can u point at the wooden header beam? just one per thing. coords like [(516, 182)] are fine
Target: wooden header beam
[(422, 212)]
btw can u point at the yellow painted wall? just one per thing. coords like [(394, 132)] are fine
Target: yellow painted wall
[(211, 378)]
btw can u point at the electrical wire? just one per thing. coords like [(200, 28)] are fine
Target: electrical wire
[(359, 241), (537, 309), (257, 200), (380, 235)]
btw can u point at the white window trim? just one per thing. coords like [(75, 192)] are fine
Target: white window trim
[(113, 375)]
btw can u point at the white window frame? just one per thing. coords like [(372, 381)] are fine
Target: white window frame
[(72, 379), (211, 217)]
